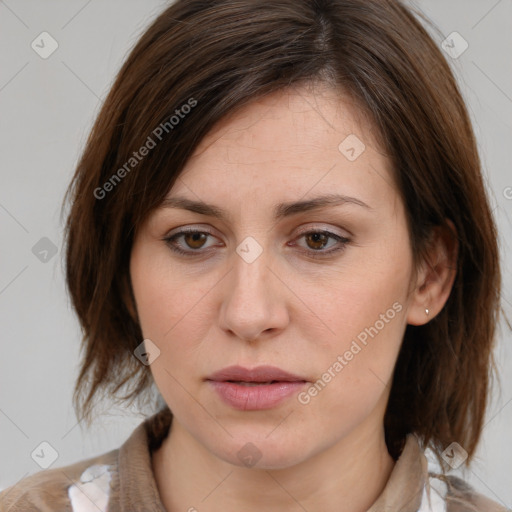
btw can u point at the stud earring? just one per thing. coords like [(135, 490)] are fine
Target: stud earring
[(427, 311)]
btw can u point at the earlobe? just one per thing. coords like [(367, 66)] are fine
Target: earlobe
[(436, 276)]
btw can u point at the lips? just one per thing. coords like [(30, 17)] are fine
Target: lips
[(258, 375), (259, 388)]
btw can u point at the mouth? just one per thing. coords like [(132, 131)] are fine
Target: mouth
[(263, 387), (259, 375), (243, 383)]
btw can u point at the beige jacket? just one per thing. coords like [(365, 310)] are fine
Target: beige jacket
[(122, 480)]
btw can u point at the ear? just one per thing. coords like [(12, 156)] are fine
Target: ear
[(435, 276)]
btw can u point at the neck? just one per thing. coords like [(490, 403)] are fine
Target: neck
[(350, 474)]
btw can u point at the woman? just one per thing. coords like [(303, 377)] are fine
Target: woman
[(279, 228)]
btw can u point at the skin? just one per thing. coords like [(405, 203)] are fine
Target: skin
[(285, 308)]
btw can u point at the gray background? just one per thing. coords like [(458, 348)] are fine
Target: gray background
[(48, 106)]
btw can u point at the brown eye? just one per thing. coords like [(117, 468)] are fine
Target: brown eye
[(195, 240), (188, 242), (318, 240), (317, 243), (192, 243)]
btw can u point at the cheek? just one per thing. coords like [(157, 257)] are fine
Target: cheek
[(369, 283), (364, 308), (165, 296), (172, 312), (354, 371)]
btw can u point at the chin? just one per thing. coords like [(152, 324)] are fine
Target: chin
[(262, 452)]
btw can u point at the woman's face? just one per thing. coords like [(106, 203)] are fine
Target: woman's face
[(318, 292)]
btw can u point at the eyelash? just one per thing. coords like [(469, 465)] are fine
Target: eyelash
[(171, 243)]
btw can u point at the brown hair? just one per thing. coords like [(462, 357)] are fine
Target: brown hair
[(216, 56)]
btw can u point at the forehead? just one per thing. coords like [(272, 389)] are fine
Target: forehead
[(288, 143), (303, 116)]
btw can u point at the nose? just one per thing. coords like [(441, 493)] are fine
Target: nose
[(254, 300)]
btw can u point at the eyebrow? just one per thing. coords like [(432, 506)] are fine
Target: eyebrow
[(280, 210)]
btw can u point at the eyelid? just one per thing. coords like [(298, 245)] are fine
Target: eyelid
[(340, 246), (327, 228), (187, 228), (301, 230)]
